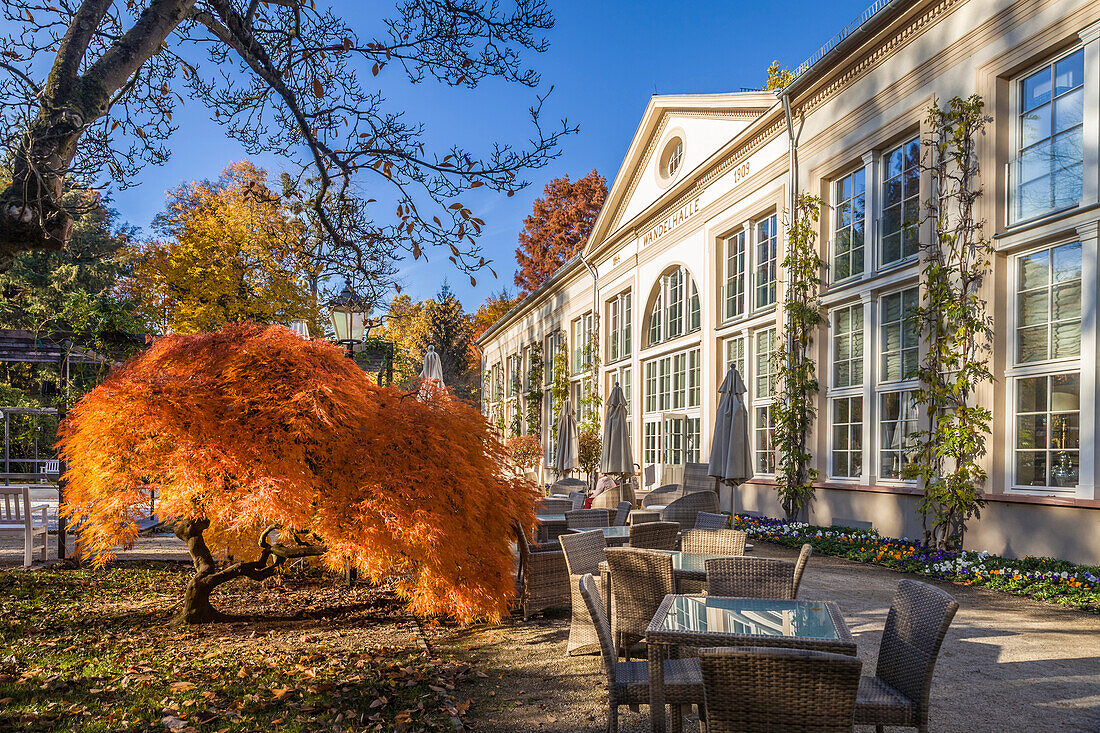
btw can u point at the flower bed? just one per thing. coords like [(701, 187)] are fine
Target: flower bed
[(1043, 578)]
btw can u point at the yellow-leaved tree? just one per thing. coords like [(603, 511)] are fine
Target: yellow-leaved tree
[(230, 252)]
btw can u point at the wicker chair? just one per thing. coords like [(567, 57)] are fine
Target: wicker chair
[(662, 495), (697, 478), (710, 542), (586, 518), (543, 577), (770, 690), (687, 507), (714, 541), (750, 577), (584, 552), (708, 520), (622, 513), (567, 485), (640, 580), (654, 535), (628, 682), (549, 505), (577, 497), (915, 627), (800, 566)]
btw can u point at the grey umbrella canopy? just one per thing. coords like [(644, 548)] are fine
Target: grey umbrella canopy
[(565, 456), (433, 368), (616, 456), (730, 461)]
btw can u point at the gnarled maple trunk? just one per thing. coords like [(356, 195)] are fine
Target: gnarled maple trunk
[(197, 608)]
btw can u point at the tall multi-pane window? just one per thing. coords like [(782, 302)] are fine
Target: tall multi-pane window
[(765, 364), (679, 381), (898, 425), (618, 327), (763, 425), (900, 201), (676, 308), (582, 336), (735, 354), (664, 383), (764, 442), (848, 346), (1048, 304), (692, 438), (652, 442), (1048, 431), (674, 325), (651, 386), (694, 376), (553, 348), (847, 436), (848, 228), (767, 239), (735, 274), (900, 344), (1048, 173)]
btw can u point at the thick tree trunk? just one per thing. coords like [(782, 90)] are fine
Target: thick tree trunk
[(196, 600)]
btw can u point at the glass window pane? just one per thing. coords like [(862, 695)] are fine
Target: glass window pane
[(1034, 126), (1069, 110), (1065, 392), (1069, 73), (1035, 89)]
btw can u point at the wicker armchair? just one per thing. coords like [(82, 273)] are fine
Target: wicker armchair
[(714, 541), (710, 542), (750, 577), (584, 552), (697, 478), (640, 580), (549, 505), (577, 497), (567, 485), (654, 535), (687, 507), (586, 518), (771, 690), (662, 495), (708, 520), (915, 627), (628, 682), (800, 566), (622, 513), (543, 578)]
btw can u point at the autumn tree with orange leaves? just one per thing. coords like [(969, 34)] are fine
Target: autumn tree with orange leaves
[(557, 228), (269, 447)]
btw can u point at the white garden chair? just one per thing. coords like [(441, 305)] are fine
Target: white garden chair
[(19, 518)]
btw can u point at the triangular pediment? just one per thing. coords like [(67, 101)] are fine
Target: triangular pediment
[(699, 125)]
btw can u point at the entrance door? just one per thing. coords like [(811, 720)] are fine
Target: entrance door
[(672, 455)]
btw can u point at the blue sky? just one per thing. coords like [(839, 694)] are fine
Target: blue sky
[(605, 60)]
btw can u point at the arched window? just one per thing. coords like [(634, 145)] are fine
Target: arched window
[(674, 306)]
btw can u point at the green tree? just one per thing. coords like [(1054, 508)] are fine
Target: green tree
[(447, 327)]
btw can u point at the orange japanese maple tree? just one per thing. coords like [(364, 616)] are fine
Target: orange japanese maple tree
[(264, 447)]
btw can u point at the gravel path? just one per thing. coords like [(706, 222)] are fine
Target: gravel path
[(1007, 664)]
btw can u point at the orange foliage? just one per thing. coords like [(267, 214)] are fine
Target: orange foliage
[(253, 426)]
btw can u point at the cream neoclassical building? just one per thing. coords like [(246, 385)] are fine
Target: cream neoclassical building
[(683, 271)]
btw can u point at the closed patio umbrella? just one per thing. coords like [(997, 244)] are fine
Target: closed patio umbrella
[(730, 461), (565, 456), (616, 456), (431, 375)]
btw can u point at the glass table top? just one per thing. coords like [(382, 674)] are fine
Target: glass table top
[(615, 532), (550, 518), (759, 617)]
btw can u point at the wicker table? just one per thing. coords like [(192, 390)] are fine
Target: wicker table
[(614, 535), (702, 621), (548, 522)]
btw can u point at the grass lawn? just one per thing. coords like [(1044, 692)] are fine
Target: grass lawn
[(84, 650)]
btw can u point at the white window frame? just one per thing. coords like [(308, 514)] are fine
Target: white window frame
[(689, 304), (1015, 107), (889, 385), (880, 200), (759, 401), (757, 262), (620, 315), (883, 386), (835, 202), (741, 278), (832, 448)]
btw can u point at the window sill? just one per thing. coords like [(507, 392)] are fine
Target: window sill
[(1053, 217)]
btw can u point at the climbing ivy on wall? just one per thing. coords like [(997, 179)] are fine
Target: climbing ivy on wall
[(955, 326), (794, 410)]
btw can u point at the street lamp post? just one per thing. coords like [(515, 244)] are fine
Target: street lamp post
[(349, 314)]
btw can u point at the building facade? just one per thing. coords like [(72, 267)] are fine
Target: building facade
[(682, 273)]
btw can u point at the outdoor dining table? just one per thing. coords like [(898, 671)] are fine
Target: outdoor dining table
[(613, 535), (546, 521), (702, 621)]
